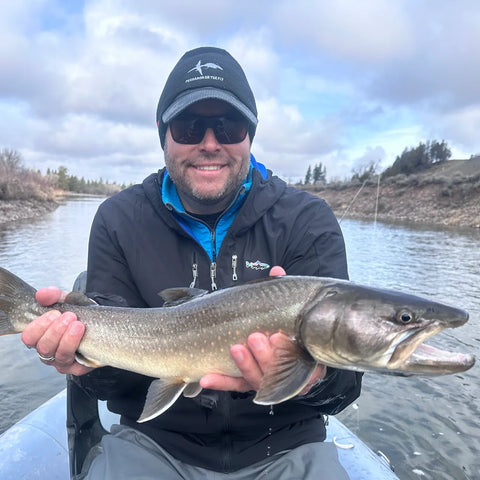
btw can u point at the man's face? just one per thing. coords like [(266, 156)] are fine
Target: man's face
[(208, 174)]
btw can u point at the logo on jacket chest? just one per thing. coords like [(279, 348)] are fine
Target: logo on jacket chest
[(258, 265)]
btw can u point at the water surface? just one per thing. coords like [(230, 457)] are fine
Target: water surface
[(429, 427)]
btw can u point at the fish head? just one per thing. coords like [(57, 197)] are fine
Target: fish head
[(363, 328)]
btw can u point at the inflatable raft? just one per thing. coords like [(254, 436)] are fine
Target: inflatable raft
[(36, 448)]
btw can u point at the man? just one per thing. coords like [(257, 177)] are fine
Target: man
[(212, 219)]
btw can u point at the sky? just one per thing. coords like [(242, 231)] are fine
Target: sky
[(345, 83)]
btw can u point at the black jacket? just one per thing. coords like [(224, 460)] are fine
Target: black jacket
[(137, 249)]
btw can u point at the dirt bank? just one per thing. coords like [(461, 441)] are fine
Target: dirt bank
[(448, 194), (429, 205), (12, 210)]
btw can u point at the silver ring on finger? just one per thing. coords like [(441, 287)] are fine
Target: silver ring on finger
[(46, 358)]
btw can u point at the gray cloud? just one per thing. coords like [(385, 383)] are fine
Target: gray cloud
[(333, 80)]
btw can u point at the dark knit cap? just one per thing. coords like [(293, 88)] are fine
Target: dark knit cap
[(206, 73)]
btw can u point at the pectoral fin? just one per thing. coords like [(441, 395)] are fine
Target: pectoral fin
[(161, 395), (192, 390), (287, 376), (88, 362)]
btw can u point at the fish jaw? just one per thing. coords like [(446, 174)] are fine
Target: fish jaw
[(413, 356), (433, 361)]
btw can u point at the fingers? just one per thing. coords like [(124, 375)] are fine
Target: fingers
[(57, 336), (34, 330), (50, 295), (251, 360), (225, 383), (248, 366)]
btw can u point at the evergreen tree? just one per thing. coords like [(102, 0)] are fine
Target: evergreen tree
[(308, 176)]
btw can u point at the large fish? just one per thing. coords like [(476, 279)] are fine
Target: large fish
[(326, 321)]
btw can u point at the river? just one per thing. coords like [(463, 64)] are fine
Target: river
[(429, 427)]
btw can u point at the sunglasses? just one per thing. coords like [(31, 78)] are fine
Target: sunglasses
[(190, 129)]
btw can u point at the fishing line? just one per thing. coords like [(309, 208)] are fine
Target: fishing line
[(353, 200), (374, 236)]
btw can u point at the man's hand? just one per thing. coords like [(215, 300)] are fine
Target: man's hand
[(254, 359), (55, 335)]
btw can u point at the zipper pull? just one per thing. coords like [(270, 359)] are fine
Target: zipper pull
[(213, 275), (234, 268), (195, 274)]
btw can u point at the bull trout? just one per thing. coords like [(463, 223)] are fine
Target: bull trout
[(325, 321)]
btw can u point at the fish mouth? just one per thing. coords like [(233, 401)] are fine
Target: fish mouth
[(411, 355)]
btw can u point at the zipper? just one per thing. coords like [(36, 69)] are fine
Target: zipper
[(194, 271), (213, 275), (234, 268), (213, 265)]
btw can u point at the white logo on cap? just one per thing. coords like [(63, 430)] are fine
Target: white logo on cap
[(198, 67)]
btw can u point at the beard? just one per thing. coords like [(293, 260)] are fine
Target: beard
[(204, 193)]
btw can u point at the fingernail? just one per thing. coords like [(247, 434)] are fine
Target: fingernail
[(53, 315), (68, 317), (76, 328), (257, 344), (237, 355)]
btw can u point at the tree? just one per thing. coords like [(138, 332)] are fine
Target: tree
[(319, 173), (10, 161), (440, 152), (419, 158), (62, 181), (308, 176), (366, 171)]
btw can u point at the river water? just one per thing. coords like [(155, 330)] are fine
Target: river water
[(429, 427)]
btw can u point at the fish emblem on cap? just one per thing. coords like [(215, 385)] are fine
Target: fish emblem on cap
[(198, 67)]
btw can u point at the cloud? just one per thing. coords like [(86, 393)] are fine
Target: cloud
[(462, 125), (335, 81), (363, 32)]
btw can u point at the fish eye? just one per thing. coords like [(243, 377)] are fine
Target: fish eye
[(405, 317)]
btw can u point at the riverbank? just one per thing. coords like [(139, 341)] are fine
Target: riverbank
[(446, 195), (428, 205), (13, 210)]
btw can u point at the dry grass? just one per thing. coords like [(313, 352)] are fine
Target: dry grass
[(20, 183)]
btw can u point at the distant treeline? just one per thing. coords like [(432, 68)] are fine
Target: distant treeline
[(71, 183), (20, 183)]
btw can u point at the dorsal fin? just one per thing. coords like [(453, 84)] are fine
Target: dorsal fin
[(79, 298), (177, 296), (264, 279)]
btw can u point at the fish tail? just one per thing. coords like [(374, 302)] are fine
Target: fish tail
[(14, 294)]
